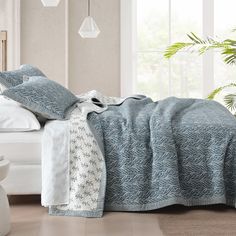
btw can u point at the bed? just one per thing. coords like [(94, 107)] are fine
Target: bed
[(23, 150), (121, 154), (135, 154)]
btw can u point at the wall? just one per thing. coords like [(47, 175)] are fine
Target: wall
[(9, 21), (93, 63), (43, 38)]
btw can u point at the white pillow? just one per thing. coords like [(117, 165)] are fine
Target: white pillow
[(2, 88), (14, 118)]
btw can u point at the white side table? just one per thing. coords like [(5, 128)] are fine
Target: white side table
[(4, 204)]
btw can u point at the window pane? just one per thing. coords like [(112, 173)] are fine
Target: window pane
[(225, 21), (186, 75), (224, 74), (152, 24), (225, 18), (152, 77), (183, 76), (186, 17)]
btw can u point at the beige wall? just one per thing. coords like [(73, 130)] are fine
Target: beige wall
[(43, 38), (93, 63)]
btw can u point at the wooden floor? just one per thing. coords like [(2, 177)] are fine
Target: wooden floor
[(30, 219)]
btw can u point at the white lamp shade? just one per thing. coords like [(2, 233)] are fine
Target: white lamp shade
[(50, 3), (89, 28)]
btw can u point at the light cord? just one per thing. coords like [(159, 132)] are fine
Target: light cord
[(88, 7)]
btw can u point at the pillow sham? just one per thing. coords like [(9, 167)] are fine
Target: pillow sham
[(14, 118), (43, 96), (13, 78)]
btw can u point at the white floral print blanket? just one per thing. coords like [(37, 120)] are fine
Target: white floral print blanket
[(76, 170)]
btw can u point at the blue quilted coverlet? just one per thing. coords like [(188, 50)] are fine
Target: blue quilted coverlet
[(175, 151)]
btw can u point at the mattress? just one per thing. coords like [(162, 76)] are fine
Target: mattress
[(22, 148)]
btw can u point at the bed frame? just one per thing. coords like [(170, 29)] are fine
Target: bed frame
[(3, 50)]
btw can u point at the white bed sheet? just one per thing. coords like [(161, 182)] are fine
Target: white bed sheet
[(55, 163), (22, 148)]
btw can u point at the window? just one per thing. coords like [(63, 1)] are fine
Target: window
[(148, 27)]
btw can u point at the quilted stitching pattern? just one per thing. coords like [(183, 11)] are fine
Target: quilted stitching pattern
[(13, 78), (43, 96), (175, 151)]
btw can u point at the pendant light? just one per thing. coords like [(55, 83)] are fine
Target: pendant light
[(50, 3), (89, 28)]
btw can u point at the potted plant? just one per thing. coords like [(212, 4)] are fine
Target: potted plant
[(228, 50)]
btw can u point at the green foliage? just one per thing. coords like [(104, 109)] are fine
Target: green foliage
[(213, 94), (228, 51), (173, 49), (230, 101), (227, 47)]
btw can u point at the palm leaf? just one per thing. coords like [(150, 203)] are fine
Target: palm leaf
[(228, 50), (227, 46), (196, 39), (230, 55), (230, 101), (213, 94), (230, 59), (230, 42), (173, 49)]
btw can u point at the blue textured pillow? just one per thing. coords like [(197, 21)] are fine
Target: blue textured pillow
[(43, 96), (13, 78)]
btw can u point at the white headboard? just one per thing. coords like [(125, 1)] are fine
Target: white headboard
[(3, 50)]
